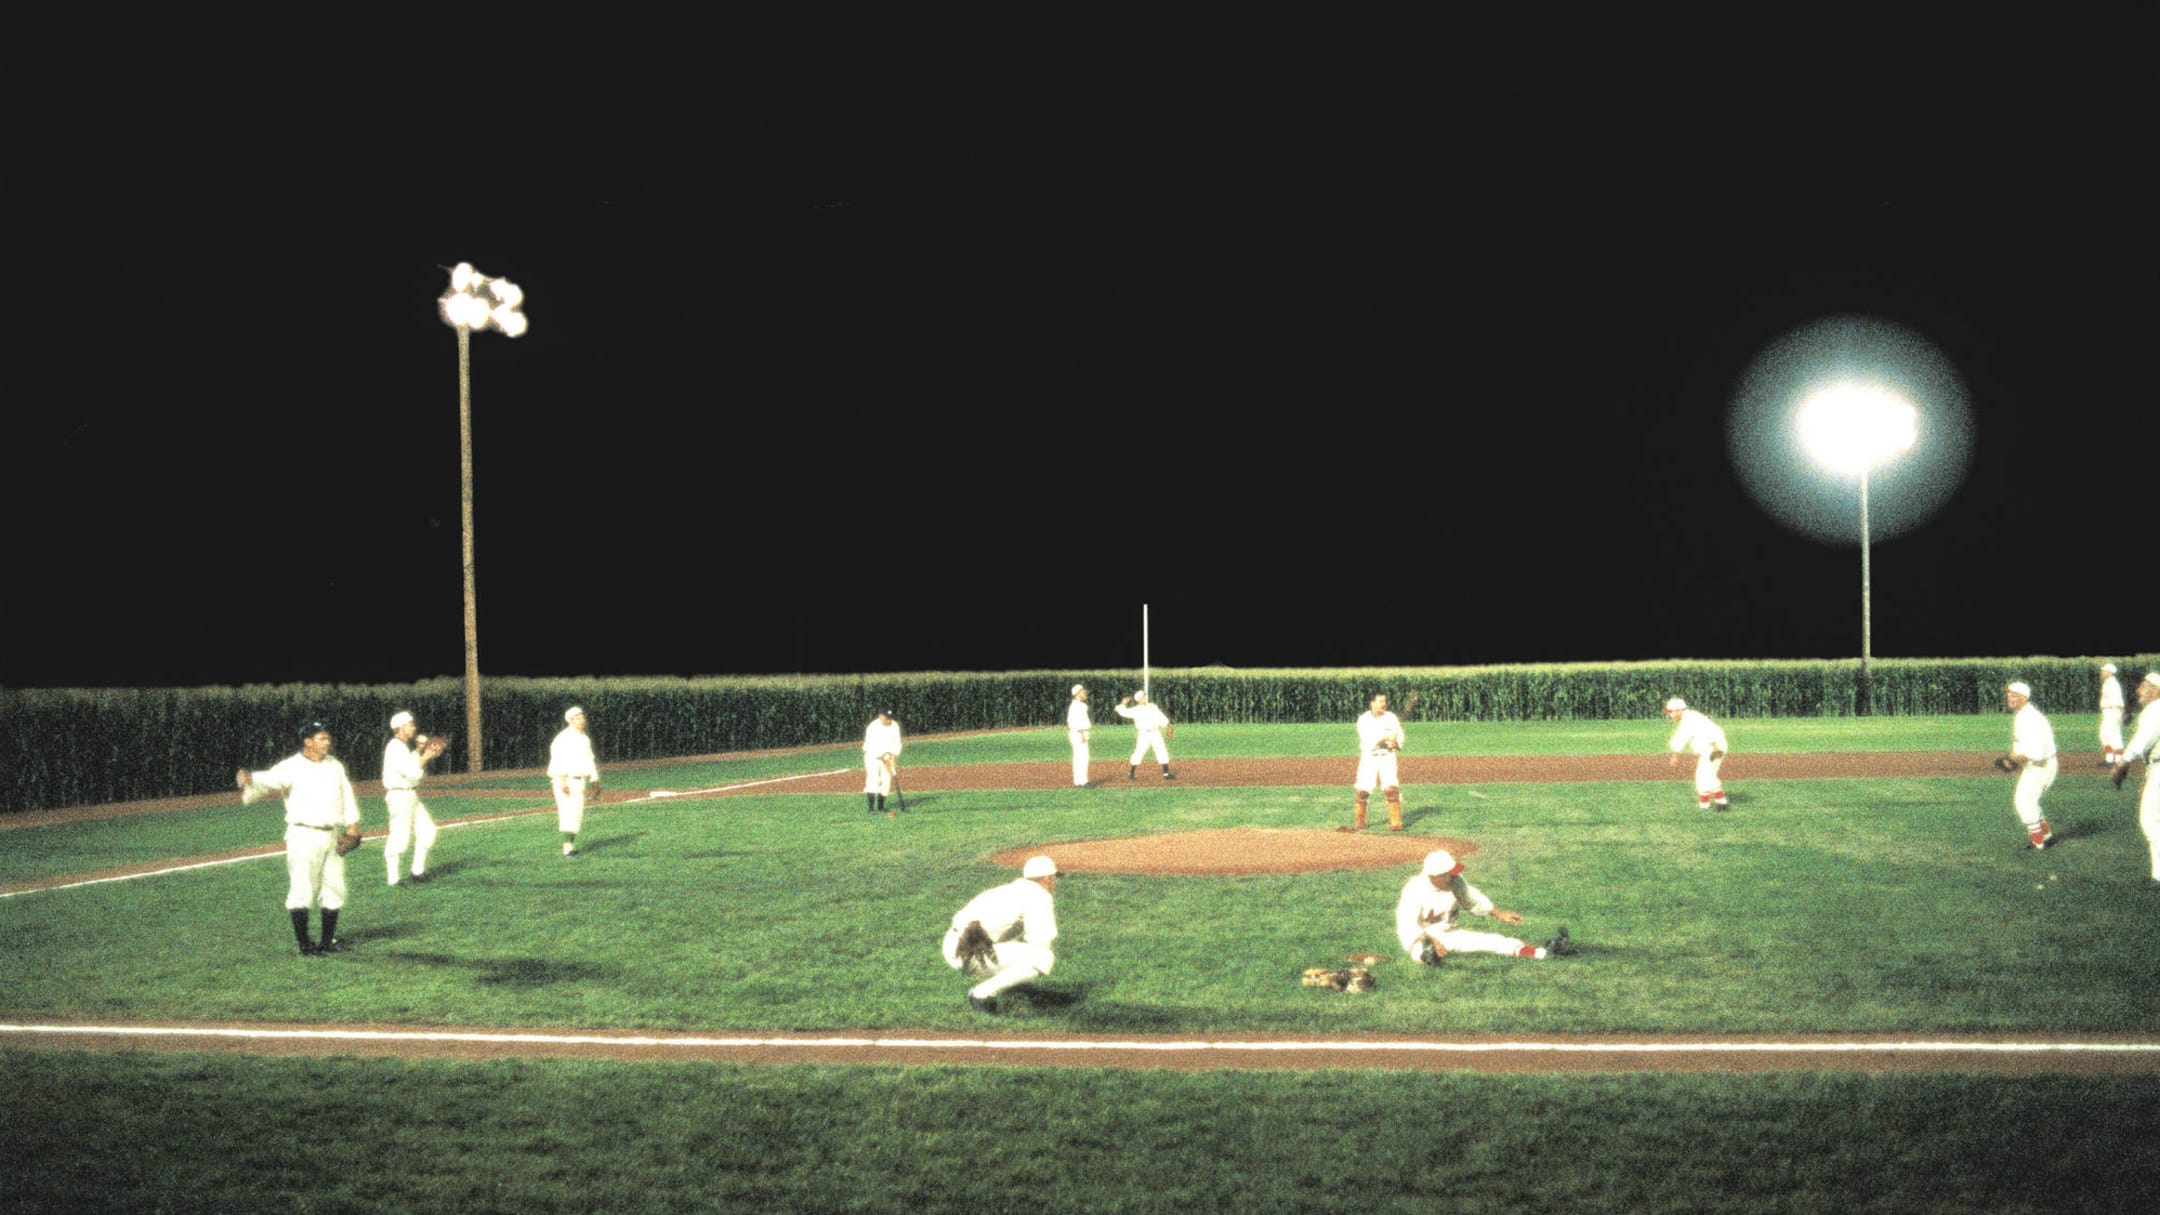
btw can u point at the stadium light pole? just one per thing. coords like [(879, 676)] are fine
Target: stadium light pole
[(1852, 428), (474, 301)]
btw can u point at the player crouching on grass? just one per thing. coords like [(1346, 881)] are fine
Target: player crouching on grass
[(1433, 900)]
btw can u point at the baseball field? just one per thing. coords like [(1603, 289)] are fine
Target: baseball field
[(1853, 992)]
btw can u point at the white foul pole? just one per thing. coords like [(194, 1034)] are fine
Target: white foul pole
[(1144, 652)]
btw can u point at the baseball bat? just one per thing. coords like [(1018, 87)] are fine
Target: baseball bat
[(897, 794)]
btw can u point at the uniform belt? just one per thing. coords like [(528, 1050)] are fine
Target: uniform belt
[(314, 827), (400, 788)]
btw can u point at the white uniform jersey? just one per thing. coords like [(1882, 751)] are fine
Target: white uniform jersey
[(1424, 906), (1697, 733), (1020, 908), (1144, 717), (1373, 731), (2148, 734), (401, 766), (1076, 717), (880, 740), (2111, 695), (2031, 736), (571, 754), (316, 791)]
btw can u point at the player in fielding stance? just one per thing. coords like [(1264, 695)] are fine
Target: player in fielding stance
[(2032, 749), (1433, 901), (1380, 736), (2142, 745), (1695, 732)]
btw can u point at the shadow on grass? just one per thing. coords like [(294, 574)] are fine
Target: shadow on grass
[(521, 973), (605, 842)]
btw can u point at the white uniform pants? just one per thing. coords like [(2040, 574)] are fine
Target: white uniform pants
[(1708, 784), (877, 776), (1376, 769), (1015, 963), (1462, 940), (2111, 733), (410, 824), (569, 807), (2031, 783), (1080, 755), (1151, 739), (2149, 817), (313, 869)]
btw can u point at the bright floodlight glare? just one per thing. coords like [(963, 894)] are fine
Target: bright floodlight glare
[(1851, 428), (461, 276), (509, 321)]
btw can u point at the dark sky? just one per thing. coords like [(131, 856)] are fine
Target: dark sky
[(1447, 388)]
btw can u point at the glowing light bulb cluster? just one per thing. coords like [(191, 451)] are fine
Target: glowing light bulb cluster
[(476, 301), (1853, 427)]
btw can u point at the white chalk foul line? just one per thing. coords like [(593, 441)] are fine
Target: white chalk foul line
[(467, 822), (1185, 1046)]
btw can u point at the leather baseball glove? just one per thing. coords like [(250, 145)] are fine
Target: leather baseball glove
[(977, 953), (2004, 763), (349, 840), (431, 747)]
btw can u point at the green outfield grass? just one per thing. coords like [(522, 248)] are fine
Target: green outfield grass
[(536, 1138), (1819, 905)]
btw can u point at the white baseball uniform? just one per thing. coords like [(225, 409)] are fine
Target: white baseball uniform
[(2032, 737), (1021, 922), (880, 755), (319, 804), (2141, 746), (410, 823), (1077, 726), (1699, 734), (571, 767), (2112, 707), (1148, 723), (1428, 909), (1376, 760)]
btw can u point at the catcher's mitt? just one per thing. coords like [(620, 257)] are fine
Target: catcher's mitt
[(977, 953), (2004, 763), (349, 840)]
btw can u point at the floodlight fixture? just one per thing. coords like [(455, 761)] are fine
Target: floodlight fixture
[(1852, 428)]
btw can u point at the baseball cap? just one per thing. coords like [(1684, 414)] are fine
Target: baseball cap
[(572, 711), (2108, 667), (1675, 703), (1038, 866), (2153, 678), (1441, 861), (313, 728), (2021, 688), (400, 718), (1079, 688)]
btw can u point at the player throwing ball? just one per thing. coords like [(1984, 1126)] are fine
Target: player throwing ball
[(1380, 737), (1152, 733)]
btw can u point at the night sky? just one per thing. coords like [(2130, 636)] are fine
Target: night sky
[(1451, 388)]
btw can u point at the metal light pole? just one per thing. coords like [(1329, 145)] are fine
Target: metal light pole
[(465, 308), (1853, 428)]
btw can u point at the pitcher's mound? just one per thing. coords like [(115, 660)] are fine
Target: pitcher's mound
[(1239, 850)]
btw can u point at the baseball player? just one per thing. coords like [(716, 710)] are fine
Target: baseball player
[(1431, 904), (2032, 749), (1379, 736), (1003, 935), (405, 760), (319, 804), (1077, 726), (572, 771), (1154, 730), (1694, 732), (2111, 717), (881, 760), (2141, 748)]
